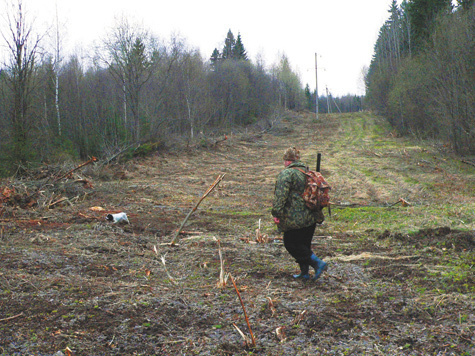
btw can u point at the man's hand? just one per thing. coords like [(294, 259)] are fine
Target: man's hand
[(276, 220)]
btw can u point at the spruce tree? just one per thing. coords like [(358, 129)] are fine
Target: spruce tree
[(233, 49), (422, 15), (215, 56), (239, 52), (308, 96), (229, 44)]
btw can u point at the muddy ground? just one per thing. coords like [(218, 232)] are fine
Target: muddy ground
[(73, 284)]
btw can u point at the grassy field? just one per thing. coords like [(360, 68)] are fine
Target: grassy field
[(371, 169)]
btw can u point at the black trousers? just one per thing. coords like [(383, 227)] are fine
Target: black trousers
[(299, 243)]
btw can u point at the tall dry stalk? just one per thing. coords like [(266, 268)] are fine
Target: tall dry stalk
[(223, 277), (164, 263)]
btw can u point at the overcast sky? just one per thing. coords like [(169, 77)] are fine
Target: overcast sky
[(341, 32)]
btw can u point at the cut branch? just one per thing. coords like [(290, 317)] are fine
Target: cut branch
[(468, 162), (253, 340), (61, 200), (223, 139), (402, 201), (210, 189), (109, 160), (93, 159), (11, 317)]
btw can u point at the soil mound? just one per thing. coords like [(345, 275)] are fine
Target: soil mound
[(442, 237)]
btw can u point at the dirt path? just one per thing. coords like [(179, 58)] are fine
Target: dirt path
[(400, 281)]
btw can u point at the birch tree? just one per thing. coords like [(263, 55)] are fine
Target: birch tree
[(128, 57), (290, 87), (23, 46), (56, 68), (192, 80)]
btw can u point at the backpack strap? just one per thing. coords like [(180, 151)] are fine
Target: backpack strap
[(299, 169)]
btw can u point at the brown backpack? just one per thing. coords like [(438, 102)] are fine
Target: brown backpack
[(317, 191)]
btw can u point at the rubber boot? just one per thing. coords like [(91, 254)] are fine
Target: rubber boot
[(318, 265), (303, 272)]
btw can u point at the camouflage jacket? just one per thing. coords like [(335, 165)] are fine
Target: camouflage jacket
[(288, 204)]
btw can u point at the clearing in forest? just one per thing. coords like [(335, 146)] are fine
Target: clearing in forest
[(400, 246)]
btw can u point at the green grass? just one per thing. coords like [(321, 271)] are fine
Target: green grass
[(371, 168), (367, 218), (402, 219), (411, 180), (375, 177)]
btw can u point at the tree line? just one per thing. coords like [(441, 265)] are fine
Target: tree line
[(134, 88), (422, 74)]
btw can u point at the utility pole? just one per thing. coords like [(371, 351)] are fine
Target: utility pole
[(334, 102), (328, 103), (316, 87)]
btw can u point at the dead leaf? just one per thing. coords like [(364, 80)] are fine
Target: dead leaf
[(7, 192)]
